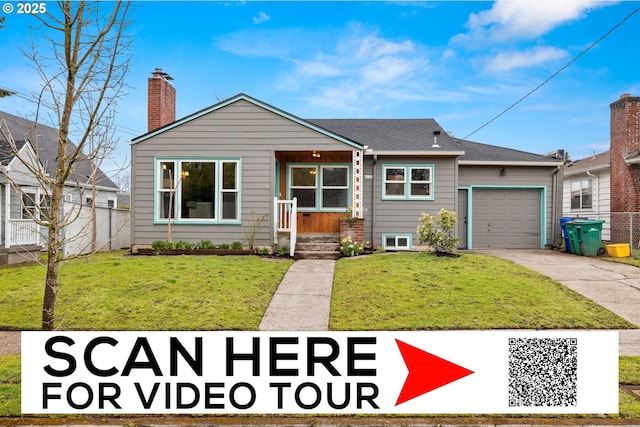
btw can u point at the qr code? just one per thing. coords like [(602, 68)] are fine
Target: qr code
[(543, 371)]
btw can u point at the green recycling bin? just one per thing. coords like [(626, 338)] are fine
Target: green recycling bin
[(572, 235), (589, 236)]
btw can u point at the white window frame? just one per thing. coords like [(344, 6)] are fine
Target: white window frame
[(396, 237), (407, 182), (580, 183), (29, 211), (178, 186)]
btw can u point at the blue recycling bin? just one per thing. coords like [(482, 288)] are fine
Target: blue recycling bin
[(565, 233)]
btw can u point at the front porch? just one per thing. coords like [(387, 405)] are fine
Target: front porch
[(314, 191), (19, 233)]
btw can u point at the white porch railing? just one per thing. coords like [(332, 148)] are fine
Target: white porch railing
[(22, 232), (285, 213)]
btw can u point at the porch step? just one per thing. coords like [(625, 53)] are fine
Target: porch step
[(318, 246)]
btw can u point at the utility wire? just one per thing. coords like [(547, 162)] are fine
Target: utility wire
[(581, 54)]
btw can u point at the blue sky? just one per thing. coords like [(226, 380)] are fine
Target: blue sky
[(461, 63)]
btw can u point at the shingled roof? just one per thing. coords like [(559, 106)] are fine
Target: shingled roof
[(23, 130), (416, 135), (591, 163)]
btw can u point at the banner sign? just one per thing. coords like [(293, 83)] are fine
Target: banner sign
[(448, 372)]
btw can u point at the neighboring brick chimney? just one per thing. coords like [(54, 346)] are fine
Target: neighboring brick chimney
[(625, 165), (161, 101)]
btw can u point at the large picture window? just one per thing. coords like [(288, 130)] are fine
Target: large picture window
[(407, 182), (198, 190), (323, 187), (581, 194)]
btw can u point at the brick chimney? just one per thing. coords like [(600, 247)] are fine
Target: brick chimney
[(625, 164), (161, 101)]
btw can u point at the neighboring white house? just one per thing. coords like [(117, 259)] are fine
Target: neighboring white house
[(586, 190), (21, 193)]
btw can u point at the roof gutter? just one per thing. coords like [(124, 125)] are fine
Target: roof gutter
[(633, 161), (569, 172), (506, 163), (422, 153)]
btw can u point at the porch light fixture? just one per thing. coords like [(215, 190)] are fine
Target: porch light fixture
[(315, 154), (503, 172), (435, 139)]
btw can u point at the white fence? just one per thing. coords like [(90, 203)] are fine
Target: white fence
[(113, 230), (285, 213), (22, 232)]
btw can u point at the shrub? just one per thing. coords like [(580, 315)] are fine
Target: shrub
[(183, 244), (236, 245), (350, 248), (438, 231), (159, 245), (225, 246), (205, 244)]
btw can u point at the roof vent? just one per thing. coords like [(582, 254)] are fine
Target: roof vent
[(435, 139)]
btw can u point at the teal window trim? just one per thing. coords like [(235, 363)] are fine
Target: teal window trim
[(318, 185), (543, 208), (178, 161), (408, 181), (409, 238)]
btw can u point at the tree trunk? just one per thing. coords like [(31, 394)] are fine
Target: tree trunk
[(53, 250)]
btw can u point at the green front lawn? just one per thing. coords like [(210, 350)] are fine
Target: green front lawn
[(418, 291), (114, 291)]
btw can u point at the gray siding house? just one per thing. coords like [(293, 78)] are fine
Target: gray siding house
[(217, 173)]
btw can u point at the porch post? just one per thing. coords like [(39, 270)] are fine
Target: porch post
[(7, 211), (358, 210)]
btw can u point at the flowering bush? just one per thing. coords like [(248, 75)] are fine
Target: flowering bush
[(350, 248), (438, 231)]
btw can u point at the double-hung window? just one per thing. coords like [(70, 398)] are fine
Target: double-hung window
[(29, 205), (198, 190), (581, 194), (320, 187), (407, 182)]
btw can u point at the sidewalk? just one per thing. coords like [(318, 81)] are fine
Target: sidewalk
[(613, 285), (303, 299)]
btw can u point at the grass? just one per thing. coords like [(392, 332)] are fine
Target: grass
[(419, 291), (113, 291), (629, 373), (9, 385)]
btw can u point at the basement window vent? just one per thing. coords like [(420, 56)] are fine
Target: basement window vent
[(396, 242)]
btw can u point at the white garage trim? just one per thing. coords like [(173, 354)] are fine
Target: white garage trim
[(543, 208)]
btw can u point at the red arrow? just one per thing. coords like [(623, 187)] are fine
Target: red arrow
[(427, 372)]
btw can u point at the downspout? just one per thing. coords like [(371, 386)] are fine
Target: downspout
[(7, 202), (554, 206), (373, 199), (597, 198)]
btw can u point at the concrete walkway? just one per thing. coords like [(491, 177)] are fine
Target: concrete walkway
[(303, 299), (612, 285)]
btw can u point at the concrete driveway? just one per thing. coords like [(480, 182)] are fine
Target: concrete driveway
[(613, 285)]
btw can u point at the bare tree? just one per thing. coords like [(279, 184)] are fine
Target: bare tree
[(82, 70)]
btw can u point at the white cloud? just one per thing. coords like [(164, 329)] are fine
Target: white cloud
[(262, 17), (506, 61), (524, 19)]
